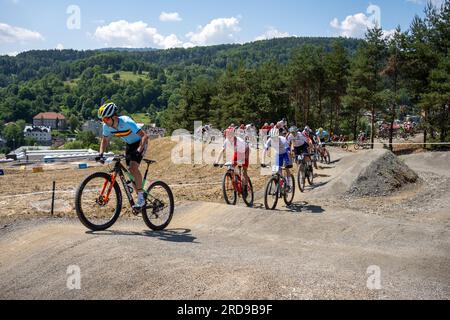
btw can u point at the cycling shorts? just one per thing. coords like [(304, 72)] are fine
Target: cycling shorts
[(132, 154), (283, 160), (242, 158)]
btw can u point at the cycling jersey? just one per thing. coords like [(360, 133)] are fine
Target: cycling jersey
[(281, 147), (322, 135), (281, 151), (127, 130), (298, 140), (241, 152), (239, 145)]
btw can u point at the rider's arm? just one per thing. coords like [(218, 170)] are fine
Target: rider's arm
[(266, 148), (104, 144), (220, 156), (144, 140)]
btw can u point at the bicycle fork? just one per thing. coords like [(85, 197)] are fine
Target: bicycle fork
[(104, 198)]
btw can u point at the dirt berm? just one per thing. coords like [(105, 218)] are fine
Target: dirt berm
[(372, 173)]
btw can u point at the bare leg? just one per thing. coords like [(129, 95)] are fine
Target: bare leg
[(134, 169)]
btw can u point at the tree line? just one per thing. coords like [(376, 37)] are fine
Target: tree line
[(320, 82)]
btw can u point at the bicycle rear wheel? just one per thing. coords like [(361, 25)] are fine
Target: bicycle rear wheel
[(159, 207), (94, 210), (271, 193), (229, 192), (249, 196)]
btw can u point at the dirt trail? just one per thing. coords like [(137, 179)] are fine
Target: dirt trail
[(317, 248)]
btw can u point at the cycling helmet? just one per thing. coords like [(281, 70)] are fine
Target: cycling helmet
[(107, 110), (230, 132), (307, 129), (274, 132), (293, 129), (320, 130)]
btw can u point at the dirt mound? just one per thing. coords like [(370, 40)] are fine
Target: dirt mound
[(384, 175)]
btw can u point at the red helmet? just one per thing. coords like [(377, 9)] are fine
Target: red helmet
[(229, 132)]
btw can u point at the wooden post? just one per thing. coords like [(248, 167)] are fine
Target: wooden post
[(53, 196)]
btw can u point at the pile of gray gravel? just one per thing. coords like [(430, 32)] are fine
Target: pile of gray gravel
[(383, 176)]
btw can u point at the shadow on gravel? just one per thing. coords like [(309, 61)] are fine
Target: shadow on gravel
[(335, 161), (317, 185), (304, 207), (171, 235), (296, 207)]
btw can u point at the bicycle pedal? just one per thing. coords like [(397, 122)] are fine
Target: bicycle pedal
[(137, 212)]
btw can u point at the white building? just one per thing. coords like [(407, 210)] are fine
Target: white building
[(42, 135), (94, 126)]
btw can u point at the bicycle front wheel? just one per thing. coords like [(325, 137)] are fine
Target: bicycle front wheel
[(271, 193), (159, 206), (327, 157), (229, 192), (289, 190), (310, 175), (248, 195), (301, 178), (95, 208)]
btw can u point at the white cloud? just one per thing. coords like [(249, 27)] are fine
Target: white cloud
[(10, 34), (169, 17), (355, 26), (272, 33), (60, 46), (12, 54), (188, 45), (436, 3), (134, 34), (217, 31)]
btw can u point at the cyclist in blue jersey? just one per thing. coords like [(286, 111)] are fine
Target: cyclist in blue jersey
[(277, 140), (125, 128), (322, 136)]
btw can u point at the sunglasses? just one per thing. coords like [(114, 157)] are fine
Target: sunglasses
[(106, 119)]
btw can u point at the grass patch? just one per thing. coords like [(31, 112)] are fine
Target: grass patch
[(141, 118), (128, 76)]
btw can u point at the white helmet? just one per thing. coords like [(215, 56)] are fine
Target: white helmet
[(274, 132), (107, 110)]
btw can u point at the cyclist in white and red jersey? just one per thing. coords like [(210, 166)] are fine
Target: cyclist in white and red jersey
[(241, 152)]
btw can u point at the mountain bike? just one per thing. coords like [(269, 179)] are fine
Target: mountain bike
[(305, 170), (324, 153), (361, 143), (232, 185), (278, 186), (98, 199)]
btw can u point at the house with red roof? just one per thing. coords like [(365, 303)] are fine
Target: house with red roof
[(50, 119)]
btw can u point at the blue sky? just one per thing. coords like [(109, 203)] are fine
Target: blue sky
[(82, 24)]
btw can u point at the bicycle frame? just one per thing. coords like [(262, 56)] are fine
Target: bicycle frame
[(237, 183), (280, 175), (120, 170)]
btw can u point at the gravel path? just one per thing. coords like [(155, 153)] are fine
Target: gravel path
[(312, 250)]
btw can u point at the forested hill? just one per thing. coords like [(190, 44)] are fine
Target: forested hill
[(70, 64)]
